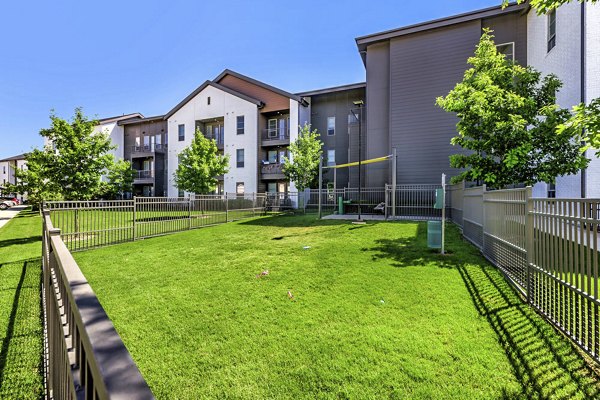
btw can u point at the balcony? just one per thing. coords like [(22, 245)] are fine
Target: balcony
[(217, 138), (143, 177), (147, 150), (272, 171), (275, 137)]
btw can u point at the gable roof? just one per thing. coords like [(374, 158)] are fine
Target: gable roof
[(14, 158), (257, 83), (334, 89), (217, 86), (119, 118), (140, 120), (363, 41)]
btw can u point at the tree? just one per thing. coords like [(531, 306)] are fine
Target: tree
[(120, 178), (77, 156), (544, 6), (586, 118), (302, 167), (508, 121), (34, 179), (199, 164)]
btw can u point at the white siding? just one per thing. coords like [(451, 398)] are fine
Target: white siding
[(225, 105), (116, 134), (564, 60), (592, 74)]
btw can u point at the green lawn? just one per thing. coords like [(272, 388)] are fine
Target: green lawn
[(20, 308), (374, 314)]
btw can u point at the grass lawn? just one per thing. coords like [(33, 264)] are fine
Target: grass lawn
[(374, 314), (21, 339)]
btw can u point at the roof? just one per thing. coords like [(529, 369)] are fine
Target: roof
[(257, 83), (217, 86), (131, 121), (363, 41), (14, 158), (120, 118), (334, 89)]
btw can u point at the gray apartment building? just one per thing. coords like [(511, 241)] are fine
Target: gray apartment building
[(407, 69)]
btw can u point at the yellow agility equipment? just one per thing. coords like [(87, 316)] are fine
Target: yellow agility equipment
[(354, 164)]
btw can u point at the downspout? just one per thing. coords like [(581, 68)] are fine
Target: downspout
[(582, 89)]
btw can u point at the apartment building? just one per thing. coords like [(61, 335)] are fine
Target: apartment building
[(409, 67), (251, 121), (145, 144), (406, 70), (8, 166)]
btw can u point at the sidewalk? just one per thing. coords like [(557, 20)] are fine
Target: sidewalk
[(7, 215)]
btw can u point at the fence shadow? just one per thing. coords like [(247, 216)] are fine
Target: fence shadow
[(18, 241), (20, 336), (546, 364), (293, 221)]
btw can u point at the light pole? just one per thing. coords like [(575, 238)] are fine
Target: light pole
[(359, 104)]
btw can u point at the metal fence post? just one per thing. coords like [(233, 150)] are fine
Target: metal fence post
[(529, 239), (134, 210), (226, 208), (190, 211)]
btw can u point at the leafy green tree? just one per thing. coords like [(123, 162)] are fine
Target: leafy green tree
[(302, 167), (120, 178), (508, 121), (34, 180), (544, 6), (199, 164), (77, 157), (586, 118)]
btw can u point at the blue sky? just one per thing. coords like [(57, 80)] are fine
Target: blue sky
[(115, 57)]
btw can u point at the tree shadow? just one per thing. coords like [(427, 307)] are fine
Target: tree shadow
[(299, 221), (546, 363)]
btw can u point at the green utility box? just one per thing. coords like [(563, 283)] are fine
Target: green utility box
[(439, 199), (434, 234), (340, 205)]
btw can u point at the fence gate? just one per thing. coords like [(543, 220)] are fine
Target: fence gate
[(413, 202)]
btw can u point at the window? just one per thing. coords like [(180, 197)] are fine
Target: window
[(330, 158), (508, 49), (551, 30), (551, 191), (180, 193), (272, 156), (4, 169), (272, 187), (239, 187), (208, 100), (240, 124), (272, 128), (240, 158), (330, 126), (181, 129)]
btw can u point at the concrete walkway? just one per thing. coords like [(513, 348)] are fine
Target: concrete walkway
[(7, 215)]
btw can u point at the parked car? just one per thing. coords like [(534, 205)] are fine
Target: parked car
[(12, 199), (5, 204)]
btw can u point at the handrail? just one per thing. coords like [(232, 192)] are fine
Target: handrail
[(86, 357)]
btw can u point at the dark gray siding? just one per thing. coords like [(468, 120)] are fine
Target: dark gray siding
[(425, 66), (405, 75), (510, 28), (377, 139), (338, 105)]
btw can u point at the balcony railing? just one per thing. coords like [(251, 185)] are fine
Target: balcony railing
[(217, 138), (149, 148), (272, 169), (144, 174), (275, 134)]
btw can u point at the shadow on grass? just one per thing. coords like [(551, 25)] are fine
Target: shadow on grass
[(14, 334), (18, 241), (546, 364), (300, 220)]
